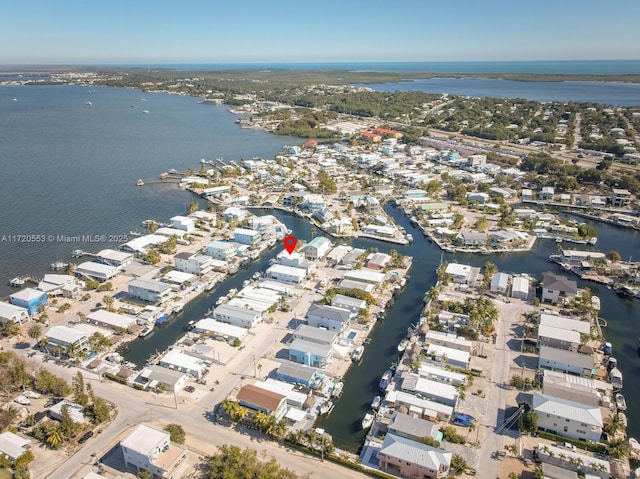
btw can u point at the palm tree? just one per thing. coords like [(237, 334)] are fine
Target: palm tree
[(34, 331), (618, 448), (54, 436), (613, 424)]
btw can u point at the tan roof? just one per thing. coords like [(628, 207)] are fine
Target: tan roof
[(263, 398)]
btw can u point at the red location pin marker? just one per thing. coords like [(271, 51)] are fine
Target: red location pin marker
[(290, 243)]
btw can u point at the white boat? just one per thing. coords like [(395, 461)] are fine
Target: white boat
[(621, 403), (403, 345), (337, 389), (385, 380), (595, 303), (615, 376), (221, 300), (88, 103), (140, 182), (246, 283), (146, 331), (22, 400), (173, 171), (232, 292), (326, 407), (145, 112), (357, 353), (257, 275), (58, 265), (16, 282), (77, 253), (409, 237), (367, 420), (592, 241), (178, 308), (375, 404)]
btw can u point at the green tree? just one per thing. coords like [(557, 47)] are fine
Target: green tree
[(613, 256), (34, 331), (68, 426), (618, 448), (458, 465), (79, 394), (99, 410), (613, 424), (54, 435), (231, 462), (176, 431), (193, 207), (144, 475)]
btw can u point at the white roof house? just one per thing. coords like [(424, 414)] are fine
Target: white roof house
[(520, 288), (448, 340), (12, 445), (294, 398), (568, 418), (76, 411), (114, 258), (65, 336), (454, 357), (562, 322), (99, 271), (216, 328), (558, 337), (177, 359), (110, 320), (499, 282), (10, 312), (237, 316), (441, 375), (424, 408), (565, 361), (183, 223), (412, 458), (365, 276), (461, 273), (434, 390), (142, 243), (52, 284), (150, 449), (287, 274)]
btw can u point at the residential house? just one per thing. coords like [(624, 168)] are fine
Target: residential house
[(76, 411), (546, 194), (109, 320), (329, 317), (556, 288), (183, 223), (233, 213), (558, 338), (407, 458), (302, 374), (198, 264), (317, 248), (148, 448), (566, 361), (581, 258), (9, 312), (315, 335), (365, 276), (259, 399), (13, 446), (246, 236), (296, 399), (112, 257), (354, 305), (449, 340), (181, 361), (286, 274), (520, 288), (588, 391), (57, 284), (499, 283), (571, 461), (378, 261), (310, 353), (66, 338), (223, 250), (568, 418), (237, 315), (149, 291), (30, 299), (452, 357), (420, 407), (437, 391), (471, 238), (414, 428), (620, 198), (96, 271), (154, 377), (462, 273)]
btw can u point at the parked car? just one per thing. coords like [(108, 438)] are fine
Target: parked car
[(85, 437), (189, 389)]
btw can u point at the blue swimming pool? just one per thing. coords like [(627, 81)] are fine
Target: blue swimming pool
[(352, 335)]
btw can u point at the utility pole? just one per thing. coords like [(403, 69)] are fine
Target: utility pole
[(254, 366)]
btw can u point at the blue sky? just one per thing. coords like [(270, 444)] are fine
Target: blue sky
[(142, 31)]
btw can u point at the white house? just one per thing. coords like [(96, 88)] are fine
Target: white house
[(224, 250), (462, 273), (286, 274), (246, 236), (365, 276), (198, 264), (97, 271), (437, 391), (558, 338), (329, 317), (9, 312), (354, 305), (57, 284), (556, 288), (233, 213), (66, 337), (148, 290), (12, 446), (317, 248), (183, 223), (408, 458), (150, 449), (237, 316), (499, 283), (520, 288), (568, 418), (177, 359), (565, 361), (452, 357), (114, 258), (110, 320)]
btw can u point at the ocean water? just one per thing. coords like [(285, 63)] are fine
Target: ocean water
[(575, 67), (70, 169)]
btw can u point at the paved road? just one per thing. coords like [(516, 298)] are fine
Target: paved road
[(135, 407), (489, 466)]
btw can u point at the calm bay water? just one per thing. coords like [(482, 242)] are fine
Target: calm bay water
[(70, 169), (610, 93)]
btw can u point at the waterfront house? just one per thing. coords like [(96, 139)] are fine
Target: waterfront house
[(546, 194), (310, 353), (449, 356), (556, 288), (223, 250), (233, 213), (462, 273), (437, 391), (295, 260), (150, 449), (112, 257), (110, 320), (407, 458), (217, 329), (365, 276), (181, 361), (478, 197), (566, 361), (583, 327), (66, 338), (568, 418), (315, 335), (9, 312), (499, 283), (295, 373), (471, 238), (584, 259), (286, 274), (154, 377), (428, 371), (569, 460), (520, 288), (420, 407), (59, 285), (378, 261), (620, 198), (215, 191), (414, 428), (432, 208), (149, 291), (141, 244), (246, 236), (313, 203), (317, 248), (96, 271), (237, 315), (352, 257), (587, 391), (294, 398), (13, 446), (329, 317), (415, 194), (449, 340), (558, 337), (354, 305), (376, 230), (198, 264), (30, 299), (259, 399)]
